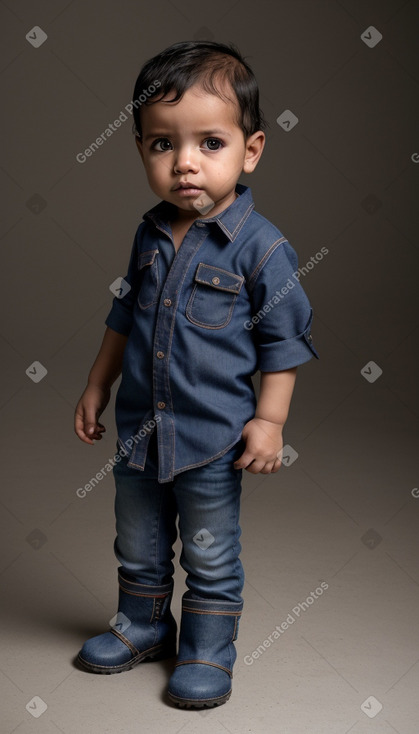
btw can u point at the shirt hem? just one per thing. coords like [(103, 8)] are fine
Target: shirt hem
[(208, 461)]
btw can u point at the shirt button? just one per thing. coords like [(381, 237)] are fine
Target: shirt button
[(215, 280), (200, 224), (161, 405), (310, 338), (160, 355), (167, 302)]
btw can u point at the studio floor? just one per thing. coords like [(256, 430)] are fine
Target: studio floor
[(329, 547)]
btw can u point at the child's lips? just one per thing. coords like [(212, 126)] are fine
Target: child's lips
[(188, 191)]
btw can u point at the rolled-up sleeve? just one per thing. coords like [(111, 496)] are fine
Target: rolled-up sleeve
[(120, 317), (282, 315)]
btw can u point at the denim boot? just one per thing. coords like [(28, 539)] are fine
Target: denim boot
[(144, 629), (204, 668)]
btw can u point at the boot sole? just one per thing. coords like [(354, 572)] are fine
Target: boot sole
[(149, 656), (190, 703)]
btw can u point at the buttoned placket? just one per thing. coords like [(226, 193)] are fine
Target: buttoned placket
[(165, 323)]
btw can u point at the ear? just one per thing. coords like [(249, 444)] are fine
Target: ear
[(254, 147)]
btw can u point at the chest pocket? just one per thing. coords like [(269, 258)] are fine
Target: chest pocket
[(213, 296), (149, 278)]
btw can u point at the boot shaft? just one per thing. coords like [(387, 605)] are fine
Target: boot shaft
[(208, 631), (204, 668), (143, 603)]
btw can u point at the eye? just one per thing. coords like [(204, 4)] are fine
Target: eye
[(213, 144), (160, 144)]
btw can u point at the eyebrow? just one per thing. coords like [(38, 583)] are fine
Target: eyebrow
[(200, 132)]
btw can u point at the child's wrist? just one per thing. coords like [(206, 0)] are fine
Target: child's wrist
[(92, 382), (276, 421)]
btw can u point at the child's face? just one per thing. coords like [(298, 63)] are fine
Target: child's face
[(196, 141)]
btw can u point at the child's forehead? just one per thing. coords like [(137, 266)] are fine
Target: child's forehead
[(197, 106)]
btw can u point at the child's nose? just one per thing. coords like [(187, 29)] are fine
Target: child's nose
[(186, 159)]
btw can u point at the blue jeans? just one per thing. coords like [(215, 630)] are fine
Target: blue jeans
[(207, 502)]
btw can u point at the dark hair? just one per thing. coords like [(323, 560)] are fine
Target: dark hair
[(183, 64)]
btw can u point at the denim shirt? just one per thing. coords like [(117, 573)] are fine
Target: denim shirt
[(200, 322)]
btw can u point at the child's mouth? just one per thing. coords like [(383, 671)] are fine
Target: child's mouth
[(184, 188)]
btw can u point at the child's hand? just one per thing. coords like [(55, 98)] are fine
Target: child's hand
[(263, 443), (90, 406)]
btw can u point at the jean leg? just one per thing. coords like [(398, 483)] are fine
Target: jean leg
[(208, 501), (145, 513)]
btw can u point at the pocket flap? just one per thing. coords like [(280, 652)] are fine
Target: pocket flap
[(218, 278), (146, 258)]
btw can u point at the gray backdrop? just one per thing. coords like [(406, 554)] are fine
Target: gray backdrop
[(343, 178)]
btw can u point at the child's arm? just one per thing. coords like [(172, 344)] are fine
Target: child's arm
[(106, 369), (263, 434)]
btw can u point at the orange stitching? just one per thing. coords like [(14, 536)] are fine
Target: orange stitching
[(147, 596), (262, 262), (204, 662), (196, 611)]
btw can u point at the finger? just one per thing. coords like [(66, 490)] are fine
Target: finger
[(271, 466), (277, 465), (267, 469), (88, 431), (244, 460), (82, 436), (94, 427), (255, 467), (80, 428), (94, 430), (260, 466)]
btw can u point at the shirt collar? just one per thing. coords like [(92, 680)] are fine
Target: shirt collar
[(230, 220)]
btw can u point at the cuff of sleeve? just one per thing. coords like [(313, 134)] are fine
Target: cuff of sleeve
[(287, 353), (119, 322)]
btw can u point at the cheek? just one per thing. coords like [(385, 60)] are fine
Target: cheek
[(231, 159), (160, 168), (153, 173)]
